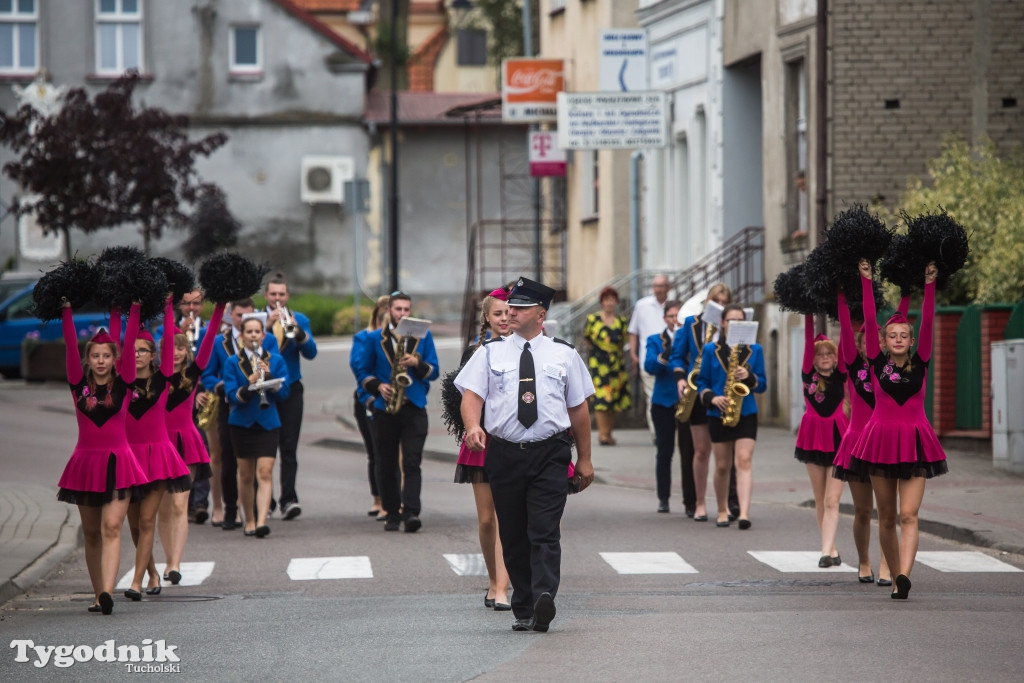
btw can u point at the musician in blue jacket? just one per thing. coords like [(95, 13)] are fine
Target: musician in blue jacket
[(736, 442), (294, 337), (226, 348), (664, 398), (408, 425), (362, 407)]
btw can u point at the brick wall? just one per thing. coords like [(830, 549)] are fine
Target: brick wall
[(919, 53), (942, 379)]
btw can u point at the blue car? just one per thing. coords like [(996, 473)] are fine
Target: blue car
[(17, 322)]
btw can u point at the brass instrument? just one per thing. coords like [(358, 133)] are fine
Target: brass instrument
[(689, 397), (400, 378), (258, 352), (287, 321), (207, 415), (190, 333), (735, 391)]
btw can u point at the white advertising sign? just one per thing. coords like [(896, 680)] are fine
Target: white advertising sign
[(636, 120), (546, 157), (622, 60)]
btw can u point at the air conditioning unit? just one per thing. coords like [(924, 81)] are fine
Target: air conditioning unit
[(324, 177)]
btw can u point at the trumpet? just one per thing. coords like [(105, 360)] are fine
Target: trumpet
[(190, 333), (258, 352), (287, 321), (400, 379)]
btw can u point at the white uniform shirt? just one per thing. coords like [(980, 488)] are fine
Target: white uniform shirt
[(648, 318), (492, 373)]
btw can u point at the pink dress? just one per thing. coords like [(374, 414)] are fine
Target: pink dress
[(181, 428), (823, 424), (102, 464), (147, 428), (898, 442)]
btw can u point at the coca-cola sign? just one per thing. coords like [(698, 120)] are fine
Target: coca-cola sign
[(530, 89)]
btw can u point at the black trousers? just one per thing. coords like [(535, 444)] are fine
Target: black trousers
[(667, 432), (407, 431), (290, 413), (366, 431), (228, 464), (529, 488)]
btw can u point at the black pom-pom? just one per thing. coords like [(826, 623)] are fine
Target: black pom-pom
[(823, 279), (451, 400), (857, 234), (229, 277), (938, 237), (73, 280), (791, 292), (118, 254), (119, 283), (180, 277), (902, 266)]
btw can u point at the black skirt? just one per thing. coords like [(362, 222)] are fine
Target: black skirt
[(254, 442), (698, 415), (746, 428)]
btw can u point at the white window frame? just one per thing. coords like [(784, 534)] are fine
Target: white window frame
[(18, 19), (120, 19), (245, 69)]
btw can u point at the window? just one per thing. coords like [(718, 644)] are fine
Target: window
[(589, 184), (796, 143), (472, 47), (246, 49), (19, 48), (118, 36), (556, 6)]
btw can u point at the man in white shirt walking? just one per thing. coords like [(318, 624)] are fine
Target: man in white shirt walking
[(647, 319)]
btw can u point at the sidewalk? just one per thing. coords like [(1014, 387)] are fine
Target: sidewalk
[(973, 504)]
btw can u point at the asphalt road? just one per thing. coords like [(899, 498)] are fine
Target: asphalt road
[(724, 614)]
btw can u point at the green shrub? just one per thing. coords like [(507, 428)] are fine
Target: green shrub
[(328, 316)]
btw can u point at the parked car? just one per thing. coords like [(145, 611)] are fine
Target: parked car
[(17, 322)]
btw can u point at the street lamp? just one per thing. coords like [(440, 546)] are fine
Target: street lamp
[(393, 135)]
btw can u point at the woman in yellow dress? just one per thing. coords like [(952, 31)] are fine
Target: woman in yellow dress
[(605, 333)]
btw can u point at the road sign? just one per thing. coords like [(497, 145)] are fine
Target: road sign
[(622, 60), (613, 120), (546, 157), (529, 89)]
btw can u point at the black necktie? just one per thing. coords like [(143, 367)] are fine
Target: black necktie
[(527, 388)]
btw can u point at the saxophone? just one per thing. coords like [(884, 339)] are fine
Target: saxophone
[(735, 391), (400, 378), (689, 397), (206, 416)]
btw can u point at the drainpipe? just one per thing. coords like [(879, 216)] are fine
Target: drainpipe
[(820, 130), (634, 218)]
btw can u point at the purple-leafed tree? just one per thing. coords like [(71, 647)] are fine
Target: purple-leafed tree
[(103, 162)]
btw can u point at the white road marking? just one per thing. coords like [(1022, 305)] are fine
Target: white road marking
[(800, 561), (314, 568), (192, 574), (963, 561), (467, 565), (648, 563)]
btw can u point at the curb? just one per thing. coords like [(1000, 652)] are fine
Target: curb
[(68, 540)]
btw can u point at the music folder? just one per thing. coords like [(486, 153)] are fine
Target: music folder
[(412, 327)]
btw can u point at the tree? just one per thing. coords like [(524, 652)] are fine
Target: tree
[(504, 21), (985, 193), (102, 163), (212, 226)]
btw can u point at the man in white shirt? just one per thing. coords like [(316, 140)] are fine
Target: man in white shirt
[(647, 319)]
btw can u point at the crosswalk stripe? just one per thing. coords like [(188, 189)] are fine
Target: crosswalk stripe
[(467, 565), (313, 568), (963, 561), (802, 561), (192, 574), (648, 563)]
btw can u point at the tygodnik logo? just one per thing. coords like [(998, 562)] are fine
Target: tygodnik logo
[(158, 656)]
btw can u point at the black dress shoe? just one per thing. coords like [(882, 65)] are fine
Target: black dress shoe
[(412, 524), (262, 531), (155, 590), (488, 602), (502, 607), (700, 518), (663, 506), (392, 524), (724, 524), (825, 562), (106, 603), (732, 517), (884, 582), (690, 512), (902, 591), (201, 516), (228, 525), (543, 612), (866, 579), (174, 576), (94, 608), (249, 533), (220, 524), (836, 561), (745, 524), (133, 595), (523, 624)]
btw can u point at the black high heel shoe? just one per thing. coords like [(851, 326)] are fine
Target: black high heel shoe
[(155, 590), (133, 595)]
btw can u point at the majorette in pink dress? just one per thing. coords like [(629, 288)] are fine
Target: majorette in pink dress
[(823, 423)]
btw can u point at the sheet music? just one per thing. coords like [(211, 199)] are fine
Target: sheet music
[(742, 332), (412, 327), (712, 314)]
